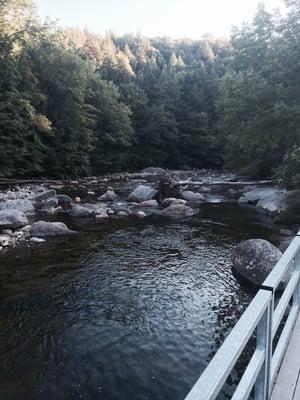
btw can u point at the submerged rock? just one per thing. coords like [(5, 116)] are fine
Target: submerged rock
[(44, 229), (12, 219), (192, 196), (142, 193), (253, 260), (178, 211)]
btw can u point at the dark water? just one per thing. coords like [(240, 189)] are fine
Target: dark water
[(125, 310)]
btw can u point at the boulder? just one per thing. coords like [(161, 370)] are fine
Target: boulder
[(12, 219), (24, 205), (109, 196), (256, 193), (188, 195), (80, 212), (289, 209), (43, 229), (142, 193), (149, 203), (45, 199), (253, 260), (178, 211), (64, 200), (172, 201), (270, 203)]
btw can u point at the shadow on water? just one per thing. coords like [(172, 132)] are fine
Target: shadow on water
[(129, 310)]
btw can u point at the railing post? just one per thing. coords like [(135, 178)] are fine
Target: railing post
[(296, 295), (264, 340)]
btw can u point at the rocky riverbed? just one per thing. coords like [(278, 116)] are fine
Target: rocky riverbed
[(31, 213)]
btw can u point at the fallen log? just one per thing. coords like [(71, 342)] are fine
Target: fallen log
[(225, 183), (28, 181)]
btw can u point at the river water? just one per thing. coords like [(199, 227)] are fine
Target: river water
[(124, 310)]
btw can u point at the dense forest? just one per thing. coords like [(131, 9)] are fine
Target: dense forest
[(74, 103)]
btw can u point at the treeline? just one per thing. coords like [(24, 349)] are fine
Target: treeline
[(73, 103)]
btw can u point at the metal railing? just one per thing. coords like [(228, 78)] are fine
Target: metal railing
[(264, 318)]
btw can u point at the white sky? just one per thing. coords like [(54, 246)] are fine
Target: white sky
[(175, 18)]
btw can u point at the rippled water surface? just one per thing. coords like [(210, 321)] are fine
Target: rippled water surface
[(125, 310)]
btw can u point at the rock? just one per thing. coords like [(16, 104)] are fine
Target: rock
[(12, 219), (8, 232), (109, 196), (178, 211), (44, 229), (233, 194), (24, 205), (102, 215), (253, 260), (217, 199), (37, 240), (172, 201), (4, 240), (64, 200), (289, 209), (48, 198), (51, 210), (91, 193), (270, 203), (153, 170), (122, 214), (242, 200), (257, 193), (140, 214), (192, 196), (149, 203), (167, 188), (142, 193), (80, 212), (77, 199)]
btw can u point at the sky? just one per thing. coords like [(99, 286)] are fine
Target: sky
[(173, 18)]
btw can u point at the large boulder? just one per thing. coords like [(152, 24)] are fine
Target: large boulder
[(253, 260), (12, 219), (188, 195), (109, 196), (24, 205), (255, 194), (142, 193), (178, 211), (289, 209), (45, 199), (270, 204), (44, 229)]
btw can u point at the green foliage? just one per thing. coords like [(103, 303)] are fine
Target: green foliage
[(289, 171), (72, 102)]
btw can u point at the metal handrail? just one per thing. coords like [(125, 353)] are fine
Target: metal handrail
[(263, 317)]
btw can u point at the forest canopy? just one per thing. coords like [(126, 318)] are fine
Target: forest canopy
[(73, 103)]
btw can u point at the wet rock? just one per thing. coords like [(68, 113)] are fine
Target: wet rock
[(189, 195), (45, 199), (178, 211), (253, 260), (149, 203), (12, 219), (5, 240), (140, 214), (101, 216), (270, 203), (8, 232), (64, 200), (256, 193), (43, 229), (142, 193), (80, 212), (37, 240), (109, 196), (172, 201), (77, 199), (24, 205)]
